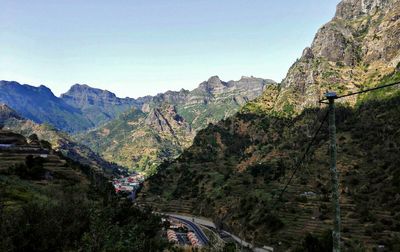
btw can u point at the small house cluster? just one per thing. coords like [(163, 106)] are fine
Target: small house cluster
[(128, 183)]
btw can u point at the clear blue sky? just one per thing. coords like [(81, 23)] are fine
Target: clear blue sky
[(143, 47)]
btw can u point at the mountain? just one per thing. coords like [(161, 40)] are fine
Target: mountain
[(83, 107), (60, 141), (355, 50), (236, 169), (41, 105), (79, 109), (168, 122), (212, 100), (97, 105)]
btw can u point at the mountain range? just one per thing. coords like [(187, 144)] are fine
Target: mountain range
[(167, 123), (135, 133), (79, 109)]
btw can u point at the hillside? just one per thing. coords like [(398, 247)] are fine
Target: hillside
[(60, 141), (235, 169), (50, 203), (168, 122)]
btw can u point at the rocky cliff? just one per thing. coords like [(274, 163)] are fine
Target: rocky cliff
[(356, 49)]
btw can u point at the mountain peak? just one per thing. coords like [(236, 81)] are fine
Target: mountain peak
[(213, 84), (350, 9), (214, 78), (83, 94), (84, 88)]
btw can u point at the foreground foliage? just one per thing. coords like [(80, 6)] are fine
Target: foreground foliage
[(70, 213)]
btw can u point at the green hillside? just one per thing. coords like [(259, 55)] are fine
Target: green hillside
[(50, 203), (234, 175), (235, 169)]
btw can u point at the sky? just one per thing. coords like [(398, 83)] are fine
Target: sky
[(144, 47)]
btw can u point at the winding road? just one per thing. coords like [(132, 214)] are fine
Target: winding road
[(190, 221), (195, 228)]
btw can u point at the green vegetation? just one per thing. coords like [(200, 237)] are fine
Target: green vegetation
[(65, 206), (236, 179), (382, 94)]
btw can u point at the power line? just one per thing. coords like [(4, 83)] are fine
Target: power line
[(362, 91), (297, 166)]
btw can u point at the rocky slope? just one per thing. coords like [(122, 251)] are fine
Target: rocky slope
[(167, 123), (357, 48), (235, 169), (212, 100)]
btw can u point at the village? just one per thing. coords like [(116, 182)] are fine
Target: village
[(128, 184)]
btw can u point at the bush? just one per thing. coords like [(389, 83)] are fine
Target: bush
[(317, 244), (32, 169)]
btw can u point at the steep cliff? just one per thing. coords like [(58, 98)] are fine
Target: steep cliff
[(353, 51)]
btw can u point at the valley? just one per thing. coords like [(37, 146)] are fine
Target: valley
[(239, 165)]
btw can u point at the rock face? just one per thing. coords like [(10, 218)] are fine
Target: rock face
[(355, 49), (350, 9), (167, 120), (215, 99)]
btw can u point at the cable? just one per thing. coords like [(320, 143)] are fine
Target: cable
[(297, 166), (363, 91)]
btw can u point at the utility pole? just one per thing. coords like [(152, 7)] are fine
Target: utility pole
[(331, 96)]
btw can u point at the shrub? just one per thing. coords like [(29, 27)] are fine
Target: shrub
[(31, 169)]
